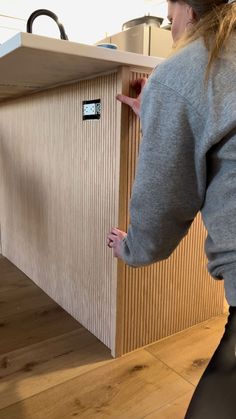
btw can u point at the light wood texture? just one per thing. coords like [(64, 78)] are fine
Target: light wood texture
[(125, 389), (197, 348), (32, 326), (69, 373), (47, 364), (60, 194), (25, 297), (11, 277), (29, 63), (65, 183), (172, 410), (226, 306), (166, 297)]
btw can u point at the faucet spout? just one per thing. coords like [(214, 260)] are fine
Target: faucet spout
[(41, 12)]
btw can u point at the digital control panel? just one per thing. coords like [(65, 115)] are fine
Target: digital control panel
[(92, 109)]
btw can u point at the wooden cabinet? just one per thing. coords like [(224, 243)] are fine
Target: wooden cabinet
[(66, 181)]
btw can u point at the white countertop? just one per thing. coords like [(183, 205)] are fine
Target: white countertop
[(30, 63)]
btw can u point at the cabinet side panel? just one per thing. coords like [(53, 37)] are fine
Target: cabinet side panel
[(59, 196), (169, 296)]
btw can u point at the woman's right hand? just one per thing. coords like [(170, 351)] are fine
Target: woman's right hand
[(134, 103)]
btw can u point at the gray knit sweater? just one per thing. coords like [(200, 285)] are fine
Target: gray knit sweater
[(187, 162)]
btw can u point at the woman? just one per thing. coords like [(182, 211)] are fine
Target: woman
[(187, 163)]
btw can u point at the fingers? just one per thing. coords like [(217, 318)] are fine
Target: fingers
[(125, 99), (111, 238), (115, 230), (132, 102), (115, 236), (139, 84), (140, 80), (118, 233)]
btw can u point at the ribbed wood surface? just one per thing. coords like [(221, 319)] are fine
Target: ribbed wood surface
[(169, 296), (64, 183), (59, 196)]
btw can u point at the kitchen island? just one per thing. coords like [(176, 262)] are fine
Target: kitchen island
[(68, 152)]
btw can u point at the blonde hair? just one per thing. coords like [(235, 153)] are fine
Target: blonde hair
[(215, 22)]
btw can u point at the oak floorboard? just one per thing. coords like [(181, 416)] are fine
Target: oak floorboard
[(174, 410), (128, 387), (11, 277), (33, 326), (189, 352), (51, 367), (36, 368), (22, 299)]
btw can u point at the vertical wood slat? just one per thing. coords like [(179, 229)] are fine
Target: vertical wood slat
[(59, 196), (164, 298)]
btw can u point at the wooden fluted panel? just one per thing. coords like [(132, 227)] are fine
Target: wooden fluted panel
[(64, 183), (169, 296), (59, 197)]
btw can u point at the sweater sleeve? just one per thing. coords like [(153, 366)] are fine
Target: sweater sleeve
[(169, 187)]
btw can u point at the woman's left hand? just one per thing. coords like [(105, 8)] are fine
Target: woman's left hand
[(114, 241)]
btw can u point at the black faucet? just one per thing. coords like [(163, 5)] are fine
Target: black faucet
[(46, 12)]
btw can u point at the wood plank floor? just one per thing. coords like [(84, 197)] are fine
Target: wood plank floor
[(53, 368)]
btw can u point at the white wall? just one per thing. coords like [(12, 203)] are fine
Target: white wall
[(85, 21)]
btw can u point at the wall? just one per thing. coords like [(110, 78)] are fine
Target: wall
[(81, 22)]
